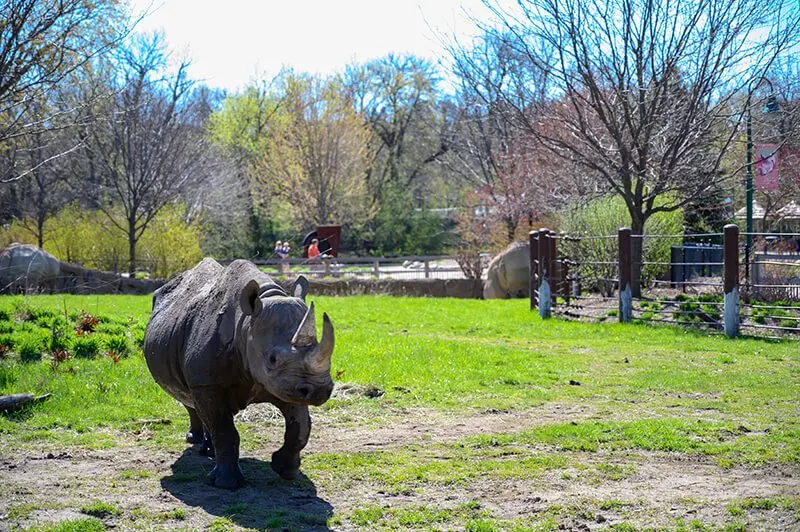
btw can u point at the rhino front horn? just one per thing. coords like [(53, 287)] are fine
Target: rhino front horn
[(306, 334), (324, 351)]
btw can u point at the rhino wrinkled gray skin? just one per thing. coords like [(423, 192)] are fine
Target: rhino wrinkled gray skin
[(220, 338)]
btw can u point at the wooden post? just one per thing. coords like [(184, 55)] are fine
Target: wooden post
[(376, 269), (427, 269), (564, 278), (625, 293), (545, 272), (730, 276), (533, 245), (554, 269)]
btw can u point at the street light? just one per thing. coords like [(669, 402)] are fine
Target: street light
[(771, 107)]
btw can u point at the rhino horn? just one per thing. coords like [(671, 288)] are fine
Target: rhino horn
[(322, 354), (306, 334)]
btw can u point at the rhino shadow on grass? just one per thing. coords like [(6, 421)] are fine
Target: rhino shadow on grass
[(265, 502)]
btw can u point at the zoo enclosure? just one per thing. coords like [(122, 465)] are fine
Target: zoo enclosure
[(410, 267), (595, 277)]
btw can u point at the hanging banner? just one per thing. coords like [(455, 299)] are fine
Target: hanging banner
[(767, 167)]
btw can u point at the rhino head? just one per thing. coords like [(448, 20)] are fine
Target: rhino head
[(282, 351)]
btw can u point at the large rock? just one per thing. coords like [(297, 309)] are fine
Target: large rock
[(23, 265), (509, 273)]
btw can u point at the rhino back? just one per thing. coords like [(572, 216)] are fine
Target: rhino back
[(188, 341)]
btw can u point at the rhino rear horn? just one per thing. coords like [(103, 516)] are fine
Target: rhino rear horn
[(324, 351), (306, 334)]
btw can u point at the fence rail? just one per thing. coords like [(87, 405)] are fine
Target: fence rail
[(408, 267), (711, 286)]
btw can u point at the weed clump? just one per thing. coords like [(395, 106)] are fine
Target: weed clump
[(86, 346)]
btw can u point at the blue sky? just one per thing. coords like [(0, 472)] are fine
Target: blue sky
[(233, 42)]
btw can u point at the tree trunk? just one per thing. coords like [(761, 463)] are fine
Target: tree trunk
[(637, 256), (132, 248)]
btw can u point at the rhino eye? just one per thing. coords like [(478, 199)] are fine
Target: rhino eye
[(273, 359)]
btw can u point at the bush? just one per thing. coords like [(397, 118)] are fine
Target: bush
[(604, 217), (29, 348), (170, 245), (86, 346), (91, 239), (118, 344)]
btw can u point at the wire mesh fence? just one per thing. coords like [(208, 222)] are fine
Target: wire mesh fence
[(698, 281)]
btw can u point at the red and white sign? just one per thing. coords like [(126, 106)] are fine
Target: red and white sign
[(767, 167)]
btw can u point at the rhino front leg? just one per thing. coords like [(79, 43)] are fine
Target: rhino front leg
[(286, 460), (218, 420)]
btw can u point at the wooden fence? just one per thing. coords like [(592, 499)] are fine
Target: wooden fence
[(567, 280)]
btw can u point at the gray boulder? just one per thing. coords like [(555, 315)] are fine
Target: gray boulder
[(509, 274), (23, 265)]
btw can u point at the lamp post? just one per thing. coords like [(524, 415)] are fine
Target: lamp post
[(771, 107)]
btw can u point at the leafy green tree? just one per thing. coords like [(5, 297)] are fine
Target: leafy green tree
[(316, 154)]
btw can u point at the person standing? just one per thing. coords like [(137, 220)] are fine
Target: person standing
[(313, 251)]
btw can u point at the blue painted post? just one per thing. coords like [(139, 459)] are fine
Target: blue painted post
[(545, 271), (730, 241), (625, 270)]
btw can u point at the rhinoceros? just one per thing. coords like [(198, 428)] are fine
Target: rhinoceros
[(220, 338)]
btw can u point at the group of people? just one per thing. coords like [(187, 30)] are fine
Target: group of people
[(282, 250)]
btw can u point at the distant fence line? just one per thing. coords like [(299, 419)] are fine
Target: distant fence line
[(731, 294)]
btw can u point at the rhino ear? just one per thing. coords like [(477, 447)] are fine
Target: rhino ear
[(249, 300), (300, 288)]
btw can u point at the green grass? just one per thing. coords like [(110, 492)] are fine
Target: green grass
[(452, 355), (100, 509), (640, 389)]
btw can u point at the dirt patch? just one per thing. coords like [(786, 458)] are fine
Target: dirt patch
[(155, 488)]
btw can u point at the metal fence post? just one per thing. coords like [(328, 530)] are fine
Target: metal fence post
[(545, 272), (533, 245), (731, 279), (625, 294)]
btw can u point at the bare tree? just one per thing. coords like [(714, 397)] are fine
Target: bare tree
[(643, 91), (45, 190), (512, 176), (42, 42), (146, 145)]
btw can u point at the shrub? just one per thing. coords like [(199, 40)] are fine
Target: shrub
[(171, 245), (6, 344), (117, 344), (5, 315), (29, 348), (788, 323), (86, 346), (603, 217)]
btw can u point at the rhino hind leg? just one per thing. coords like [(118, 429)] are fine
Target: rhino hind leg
[(224, 442), (196, 432), (286, 460), (207, 445)]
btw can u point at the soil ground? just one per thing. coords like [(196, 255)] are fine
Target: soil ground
[(41, 486)]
